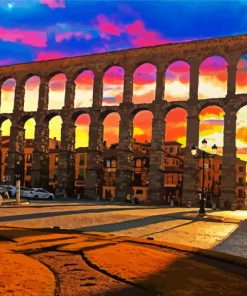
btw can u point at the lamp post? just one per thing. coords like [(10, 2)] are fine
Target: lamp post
[(204, 155)]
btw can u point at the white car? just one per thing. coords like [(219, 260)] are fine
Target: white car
[(39, 193), (24, 191)]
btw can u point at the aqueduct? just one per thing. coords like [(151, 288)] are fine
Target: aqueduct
[(230, 48)]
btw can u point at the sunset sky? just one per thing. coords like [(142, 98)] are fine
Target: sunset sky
[(37, 30)]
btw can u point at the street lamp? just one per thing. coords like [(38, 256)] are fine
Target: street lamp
[(203, 154)]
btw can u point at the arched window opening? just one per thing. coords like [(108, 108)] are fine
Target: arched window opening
[(84, 89), (212, 127), (31, 98), (176, 126), (241, 75), (82, 130), (212, 78), (177, 81), (7, 96), (57, 91), (111, 129), (144, 84), (142, 127), (113, 86)]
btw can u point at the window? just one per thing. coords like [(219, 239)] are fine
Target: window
[(108, 163), (139, 191), (29, 157), (138, 163), (240, 181), (81, 160), (81, 174), (28, 173), (113, 163), (171, 149), (240, 192), (240, 169)]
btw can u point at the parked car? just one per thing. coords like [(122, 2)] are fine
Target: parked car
[(39, 193), (24, 191)]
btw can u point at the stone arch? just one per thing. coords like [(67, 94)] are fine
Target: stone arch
[(84, 81), (82, 122), (176, 125), (7, 95), (113, 82), (54, 122), (144, 83), (241, 75), (5, 125), (177, 78), (29, 124), (31, 98), (212, 77), (111, 128), (241, 144), (57, 85), (142, 126), (211, 126)]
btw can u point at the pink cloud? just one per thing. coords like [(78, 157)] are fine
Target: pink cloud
[(52, 55), (68, 35), (53, 3), (29, 37), (140, 36), (107, 27)]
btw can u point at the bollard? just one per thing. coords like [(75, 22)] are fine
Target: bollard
[(18, 192)]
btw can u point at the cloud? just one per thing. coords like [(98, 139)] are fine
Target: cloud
[(50, 55), (29, 37), (242, 134), (107, 27), (53, 3), (69, 35), (140, 36)]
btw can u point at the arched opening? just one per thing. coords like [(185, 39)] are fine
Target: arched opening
[(111, 129), (84, 89), (177, 81), (82, 131), (29, 127), (241, 144), (55, 125), (4, 149), (7, 96), (176, 126), (142, 134), (82, 124), (212, 130), (57, 91), (212, 78), (111, 139), (144, 84), (142, 127), (31, 98), (241, 75), (113, 86), (175, 139)]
